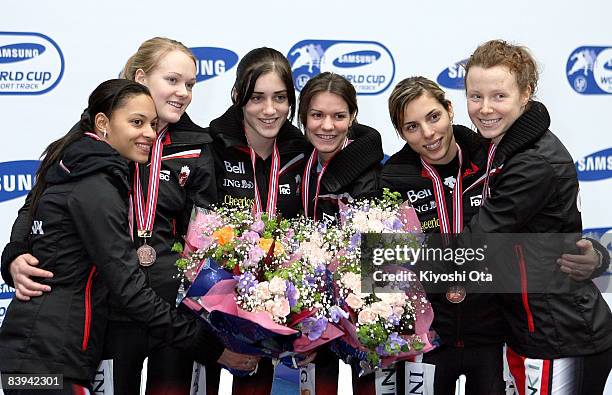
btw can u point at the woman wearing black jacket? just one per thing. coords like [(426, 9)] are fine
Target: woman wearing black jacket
[(560, 330), (79, 213), (342, 165), (185, 177), (259, 157), (471, 330)]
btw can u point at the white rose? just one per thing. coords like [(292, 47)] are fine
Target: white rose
[(262, 292), (383, 309), (354, 301), (277, 286), (352, 281), (280, 307), (366, 316)]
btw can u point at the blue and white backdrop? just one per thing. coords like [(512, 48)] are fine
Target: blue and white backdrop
[(52, 54)]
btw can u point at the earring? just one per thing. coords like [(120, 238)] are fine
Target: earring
[(104, 133)]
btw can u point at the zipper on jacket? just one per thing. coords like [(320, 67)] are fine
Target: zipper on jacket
[(87, 327), (525, 295)]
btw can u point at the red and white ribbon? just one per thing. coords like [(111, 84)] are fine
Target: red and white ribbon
[(145, 212), (486, 192), (445, 226), (272, 183), (306, 180)]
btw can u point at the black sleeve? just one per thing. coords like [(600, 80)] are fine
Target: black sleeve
[(523, 188), (605, 255), (368, 184), (18, 242), (100, 217)]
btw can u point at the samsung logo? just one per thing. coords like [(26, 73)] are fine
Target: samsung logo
[(453, 76), (17, 178), (368, 65), (212, 61), (6, 292), (18, 52), (30, 63), (597, 166), (356, 59), (589, 70)]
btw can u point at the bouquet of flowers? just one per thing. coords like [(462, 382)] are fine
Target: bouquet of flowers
[(380, 327), (254, 283), (223, 249)]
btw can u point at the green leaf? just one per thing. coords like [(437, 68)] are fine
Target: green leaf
[(177, 247)]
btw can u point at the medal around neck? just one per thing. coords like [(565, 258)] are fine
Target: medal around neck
[(146, 255), (455, 294)]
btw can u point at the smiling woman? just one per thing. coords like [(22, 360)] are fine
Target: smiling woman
[(259, 157), (568, 334), (80, 214), (343, 165)]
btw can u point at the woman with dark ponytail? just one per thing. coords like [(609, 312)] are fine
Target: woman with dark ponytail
[(79, 216)]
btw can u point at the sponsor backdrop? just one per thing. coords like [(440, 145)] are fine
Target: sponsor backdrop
[(53, 54)]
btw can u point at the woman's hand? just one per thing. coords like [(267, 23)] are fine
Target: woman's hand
[(238, 361), (22, 269), (580, 267)]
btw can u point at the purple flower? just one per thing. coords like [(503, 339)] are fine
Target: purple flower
[(292, 294), (335, 312), (309, 281), (393, 319), (314, 327), (319, 270), (289, 236), (246, 283), (258, 226), (355, 240), (394, 224), (322, 227), (250, 237), (255, 255), (396, 342)]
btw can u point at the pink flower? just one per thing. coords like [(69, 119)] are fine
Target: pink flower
[(258, 226), (366, 316), (250, 237), (255, 255)]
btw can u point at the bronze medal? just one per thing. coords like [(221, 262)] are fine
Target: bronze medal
[(146, 255), (455, 294)]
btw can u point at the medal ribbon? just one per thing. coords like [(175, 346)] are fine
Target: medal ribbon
[(306, 180), (145, 214), (272, 183), (485, 189), (432, 174)]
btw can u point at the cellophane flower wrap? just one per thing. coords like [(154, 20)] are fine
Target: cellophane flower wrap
[(263, 295), (384, 327)]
